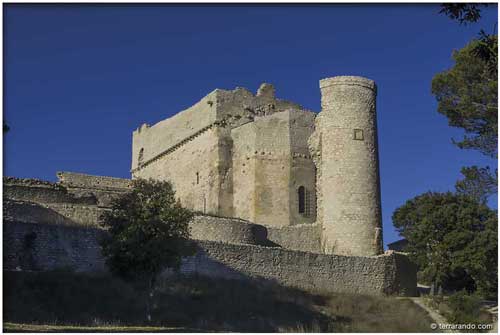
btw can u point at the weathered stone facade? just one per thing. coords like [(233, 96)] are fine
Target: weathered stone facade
[(234, 154), (346, 155), (281, 193), (273, 163), (42, 247)]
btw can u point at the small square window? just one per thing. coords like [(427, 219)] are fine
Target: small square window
[(358, 134)]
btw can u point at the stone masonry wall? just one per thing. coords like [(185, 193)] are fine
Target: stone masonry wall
[(201, 137), (86, 181), (193, 171), (153, 140), (344, 146), (40, 247), (227, 230), (270, 162), (79, 198), (328, 273), (66, 214), (304, 237)]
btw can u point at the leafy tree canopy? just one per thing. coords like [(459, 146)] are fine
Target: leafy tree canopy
[(148, 231), (448, 234), (462, 12), (467, 94), (478, 183)]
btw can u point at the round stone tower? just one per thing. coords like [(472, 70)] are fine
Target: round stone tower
[(344, 147)]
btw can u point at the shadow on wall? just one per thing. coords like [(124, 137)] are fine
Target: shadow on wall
[(41, 246)]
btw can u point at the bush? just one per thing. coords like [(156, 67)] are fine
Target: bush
[(464, 308)]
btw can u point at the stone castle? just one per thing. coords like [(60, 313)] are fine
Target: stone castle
[(271, 162), (282, 193)]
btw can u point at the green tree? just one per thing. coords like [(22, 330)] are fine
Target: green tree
[(448, 234), (478, 183), (148, 232), (467, 94), (464, 13)]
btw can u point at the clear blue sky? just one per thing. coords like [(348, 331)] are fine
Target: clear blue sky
[(79, 79)]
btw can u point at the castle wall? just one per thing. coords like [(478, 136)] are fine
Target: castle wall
[(261, 170), (314, 272), (243, 172), (270, 162), (193, 170), (303, 170), (86, 181), (31, 197), (172, 131), (229, 230), (41, 247), (302, 237), (272, 170), (77, 199), (42, 192), (159, 151)]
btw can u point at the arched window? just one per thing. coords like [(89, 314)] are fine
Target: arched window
[(302, 200), (141, 157)]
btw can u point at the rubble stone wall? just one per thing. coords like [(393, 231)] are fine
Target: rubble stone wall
[(42, 247)]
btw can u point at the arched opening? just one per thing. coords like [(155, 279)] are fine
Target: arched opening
[(141, 157)]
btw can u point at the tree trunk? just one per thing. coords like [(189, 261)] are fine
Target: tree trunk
[(149, 298)]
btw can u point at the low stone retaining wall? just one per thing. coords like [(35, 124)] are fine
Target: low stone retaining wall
[(377, 275), (236, 231), (41, 247), (304, 237)]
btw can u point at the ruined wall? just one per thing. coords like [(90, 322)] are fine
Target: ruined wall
[(79, 198), (345, 150), (86, 181), (42, 192), (81, 209), (302, 237), (41, 247)]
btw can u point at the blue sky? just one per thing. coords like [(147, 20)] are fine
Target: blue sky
[(79, 79)]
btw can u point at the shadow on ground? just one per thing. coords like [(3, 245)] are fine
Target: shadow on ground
[(195, 302)]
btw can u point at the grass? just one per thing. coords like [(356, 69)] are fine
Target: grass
[(10, 327), (68, 302), (461, 308)]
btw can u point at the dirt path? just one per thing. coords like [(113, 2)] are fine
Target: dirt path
[(438, 318)]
